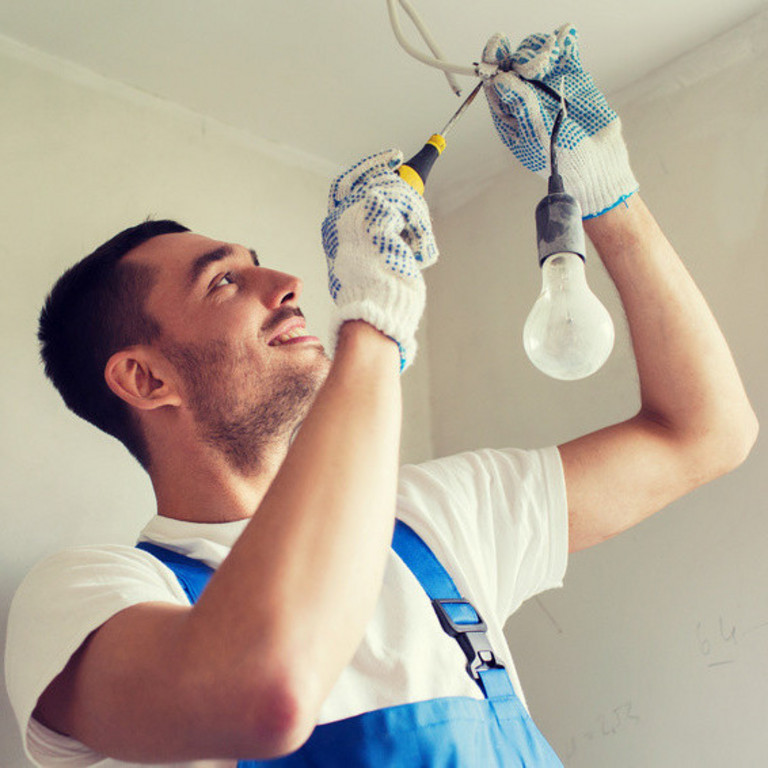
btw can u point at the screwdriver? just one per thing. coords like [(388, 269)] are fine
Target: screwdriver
[(416, 170)]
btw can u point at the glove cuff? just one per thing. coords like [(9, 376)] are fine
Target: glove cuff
[(393, 310), (597, 173)]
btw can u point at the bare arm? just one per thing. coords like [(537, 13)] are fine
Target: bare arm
[(695, 421), (244, 672)]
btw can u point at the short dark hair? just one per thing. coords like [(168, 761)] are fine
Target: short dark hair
[(95, 309)]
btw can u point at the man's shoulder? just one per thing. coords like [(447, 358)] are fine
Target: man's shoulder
[(63, 599), (512, 465), (94, 573), (81, 560)]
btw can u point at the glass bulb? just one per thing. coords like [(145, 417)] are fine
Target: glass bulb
[(568, 334)]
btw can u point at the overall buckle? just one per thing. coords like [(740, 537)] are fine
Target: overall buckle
[(460, 619)]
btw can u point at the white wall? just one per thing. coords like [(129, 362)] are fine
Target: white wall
[(81, 159), (656, 651)]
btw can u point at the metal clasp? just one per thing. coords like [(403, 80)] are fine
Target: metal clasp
[(460, 619)]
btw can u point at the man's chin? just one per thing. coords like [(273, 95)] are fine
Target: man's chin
[(323, 365)]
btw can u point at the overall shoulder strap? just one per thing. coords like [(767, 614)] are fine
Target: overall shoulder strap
[(458, 617), (192, 574)]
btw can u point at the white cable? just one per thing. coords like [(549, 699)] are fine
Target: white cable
[(430, 41), (438, 62)]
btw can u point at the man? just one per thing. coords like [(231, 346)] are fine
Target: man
[(311, 641)]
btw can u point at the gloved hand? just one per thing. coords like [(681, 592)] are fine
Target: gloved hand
[(591, 154), (377, 238)]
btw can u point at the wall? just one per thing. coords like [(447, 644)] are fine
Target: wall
[(656, 651), (82, 158)]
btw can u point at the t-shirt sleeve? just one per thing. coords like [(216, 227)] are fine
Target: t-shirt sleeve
[(497, 519), (59, 604)]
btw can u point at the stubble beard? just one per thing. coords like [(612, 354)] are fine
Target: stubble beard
[(247, 415)]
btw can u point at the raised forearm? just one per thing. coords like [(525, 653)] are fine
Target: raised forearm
[(290, 604), (688, 380)]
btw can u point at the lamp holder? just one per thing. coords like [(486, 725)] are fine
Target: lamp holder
[(558, 225)]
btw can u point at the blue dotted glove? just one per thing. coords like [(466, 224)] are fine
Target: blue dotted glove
[(592, 157), (377, 238)]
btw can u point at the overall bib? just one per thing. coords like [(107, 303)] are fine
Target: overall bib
[(452, 732)]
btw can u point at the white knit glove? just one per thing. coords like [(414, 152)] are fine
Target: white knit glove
[(377, 238), (591, 154)]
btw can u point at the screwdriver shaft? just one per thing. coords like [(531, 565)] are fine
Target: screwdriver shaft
[(416, 170), (460, 111)]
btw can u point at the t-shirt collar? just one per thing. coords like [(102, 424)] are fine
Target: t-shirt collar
[(209, 542)]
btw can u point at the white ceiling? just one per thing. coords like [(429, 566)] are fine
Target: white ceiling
[(328, 77)]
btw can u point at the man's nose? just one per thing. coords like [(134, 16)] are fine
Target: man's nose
[(280, 288)]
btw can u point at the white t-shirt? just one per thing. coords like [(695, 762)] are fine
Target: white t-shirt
[(497, 521)]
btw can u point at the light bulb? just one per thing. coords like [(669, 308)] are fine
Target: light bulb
[(568, 334)]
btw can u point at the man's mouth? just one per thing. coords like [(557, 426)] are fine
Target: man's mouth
[(295, 333), (292, 331)]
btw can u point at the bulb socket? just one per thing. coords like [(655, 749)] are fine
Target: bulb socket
[(558, 226)]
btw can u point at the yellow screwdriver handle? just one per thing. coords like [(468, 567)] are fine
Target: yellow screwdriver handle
[(416, 170)]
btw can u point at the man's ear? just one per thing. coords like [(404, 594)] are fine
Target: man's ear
[(137, 376)]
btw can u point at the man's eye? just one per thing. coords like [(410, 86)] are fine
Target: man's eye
[(227, 279)]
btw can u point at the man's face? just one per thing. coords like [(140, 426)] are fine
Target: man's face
[(233, 330)]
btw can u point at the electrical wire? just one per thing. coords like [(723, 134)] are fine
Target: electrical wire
[(437, 60), (555, 180), (553, 139)]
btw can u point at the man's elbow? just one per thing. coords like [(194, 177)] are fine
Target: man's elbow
[(729, 445), (275, 719), (281, 728)]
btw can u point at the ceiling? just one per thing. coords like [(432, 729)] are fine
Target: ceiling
[(328, 77)]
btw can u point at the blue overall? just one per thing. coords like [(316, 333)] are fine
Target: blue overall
[(455, 732)]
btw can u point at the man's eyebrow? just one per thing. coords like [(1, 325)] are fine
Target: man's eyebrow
[(217, 254)]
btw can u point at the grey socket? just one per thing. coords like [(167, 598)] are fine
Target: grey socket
[(558, 226)]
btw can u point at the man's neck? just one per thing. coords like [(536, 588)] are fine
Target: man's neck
[(208, 490)]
